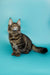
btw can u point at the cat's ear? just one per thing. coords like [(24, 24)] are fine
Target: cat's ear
[(10, 21), (19, 22)]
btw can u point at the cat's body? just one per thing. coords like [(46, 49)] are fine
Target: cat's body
[(20, 42)]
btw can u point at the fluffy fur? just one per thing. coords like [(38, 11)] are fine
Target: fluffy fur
[(20, 42)]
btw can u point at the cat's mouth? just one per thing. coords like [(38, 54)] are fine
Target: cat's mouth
[(14, 32)]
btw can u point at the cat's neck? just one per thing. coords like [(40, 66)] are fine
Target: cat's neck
[(15, 34)]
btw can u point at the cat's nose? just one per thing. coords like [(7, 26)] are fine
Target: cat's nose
[(15, 28)]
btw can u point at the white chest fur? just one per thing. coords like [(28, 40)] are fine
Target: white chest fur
[(15, 46)]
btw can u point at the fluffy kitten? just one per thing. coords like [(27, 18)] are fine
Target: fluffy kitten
[(20, 42)]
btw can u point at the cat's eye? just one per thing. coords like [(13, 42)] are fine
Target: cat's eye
[(11, 26)]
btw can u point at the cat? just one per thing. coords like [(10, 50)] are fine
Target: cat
[(20, 42)]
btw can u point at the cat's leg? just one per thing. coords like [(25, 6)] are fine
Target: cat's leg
[(12, 48), (17, 53), (13, 51), (26, 51)]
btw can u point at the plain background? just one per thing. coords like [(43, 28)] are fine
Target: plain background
[(35, 23)]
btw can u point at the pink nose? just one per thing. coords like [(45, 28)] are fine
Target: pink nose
[(15, 28)]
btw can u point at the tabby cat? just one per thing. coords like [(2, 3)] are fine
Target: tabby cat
[(20, 42)]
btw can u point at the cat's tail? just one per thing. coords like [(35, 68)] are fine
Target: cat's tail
[(39, 49)]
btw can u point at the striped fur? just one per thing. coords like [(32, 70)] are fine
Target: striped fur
[(20, 42)]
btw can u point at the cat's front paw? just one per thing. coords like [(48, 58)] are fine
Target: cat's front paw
[(17, 54), (13, 53)]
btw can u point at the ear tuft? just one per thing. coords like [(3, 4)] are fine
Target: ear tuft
[(10, 21), (18, 22)]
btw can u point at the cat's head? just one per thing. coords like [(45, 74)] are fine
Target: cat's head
[(14, 28)]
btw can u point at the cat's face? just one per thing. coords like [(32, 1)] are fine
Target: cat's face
[(14, 28)]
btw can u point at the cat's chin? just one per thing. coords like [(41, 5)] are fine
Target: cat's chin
[(15, 33)]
